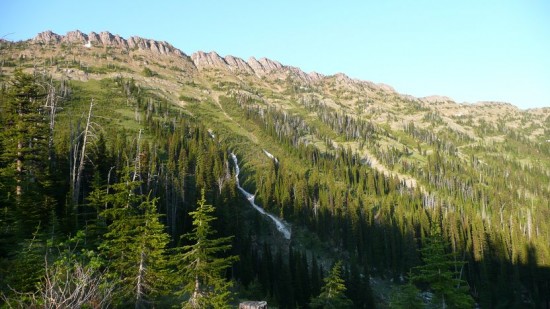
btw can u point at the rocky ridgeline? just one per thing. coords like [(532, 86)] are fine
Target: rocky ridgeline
[(260, 67), (212, 60), (108, 39), (267, 67), (202, 60)]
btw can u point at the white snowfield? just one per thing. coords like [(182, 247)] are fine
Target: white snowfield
[(282, 227)]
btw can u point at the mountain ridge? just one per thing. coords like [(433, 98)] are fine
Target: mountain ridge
[(202, 60), (176, 67), (173, 69), (212, 60)]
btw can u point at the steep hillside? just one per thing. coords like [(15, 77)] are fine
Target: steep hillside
[(359, 171)]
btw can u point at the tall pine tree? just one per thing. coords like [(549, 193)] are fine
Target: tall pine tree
[(23, 169), (202, 267)]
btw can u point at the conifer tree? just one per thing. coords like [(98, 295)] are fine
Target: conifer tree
[(25, 131), (24, 153), (202, 267), (333, 291), (135, 246), (406, 296), (26, 267), (440, 273), (359, 290)]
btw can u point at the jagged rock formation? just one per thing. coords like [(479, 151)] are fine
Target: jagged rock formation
[(262, 67), (47, 37), (259, 67), (238, 64), (107, 39)]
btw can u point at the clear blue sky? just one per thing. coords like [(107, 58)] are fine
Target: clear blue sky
[(467, 50)]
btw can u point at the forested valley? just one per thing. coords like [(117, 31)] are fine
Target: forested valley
[(116, 192)]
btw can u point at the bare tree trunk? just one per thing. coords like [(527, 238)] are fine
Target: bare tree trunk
[(140, 280), (51, 103), (82, 159), (137, 161), (19, 161), (196, 294), (19, 168)]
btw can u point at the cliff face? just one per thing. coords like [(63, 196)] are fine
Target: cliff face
[(108, 39), (260, 68)]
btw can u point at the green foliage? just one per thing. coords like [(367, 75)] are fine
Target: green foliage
[(188, 99), (148, 72), (405, 297), (26, 268), (440, 272), (24, 137), (134, 245), (201, 267), (63, 275), (333, 291)]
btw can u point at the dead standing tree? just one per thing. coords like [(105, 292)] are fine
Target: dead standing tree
[(80, 156), (51, 107)]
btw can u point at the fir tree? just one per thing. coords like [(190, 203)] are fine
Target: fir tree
[(135, 246), (25, 131), (24, 136), (202, 267), (333, 291), (440, 274)]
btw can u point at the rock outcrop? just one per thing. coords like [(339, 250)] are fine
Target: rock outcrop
[(47, 37), (264, 66), (108, 39), (76, 37), (312, 77), (260, 68), (436, 99), (238, 64), (204, 60)]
